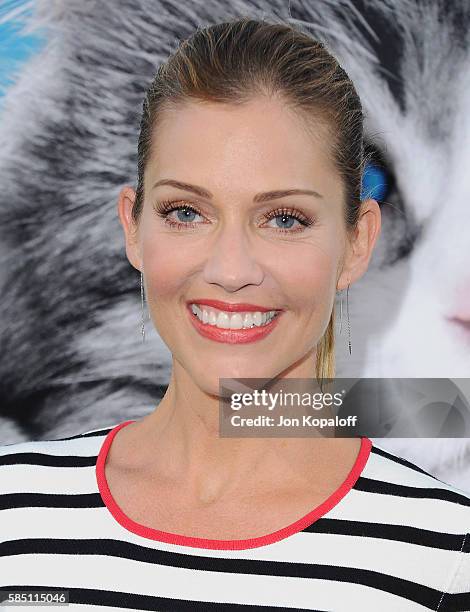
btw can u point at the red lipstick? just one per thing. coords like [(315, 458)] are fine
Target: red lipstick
[(232, 336), (239, 307)]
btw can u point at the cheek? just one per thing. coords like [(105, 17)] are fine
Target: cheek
[(166, 266), (308, 277), (166, 273)]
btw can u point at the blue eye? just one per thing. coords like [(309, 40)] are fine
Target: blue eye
[(375, 182), (187, 214), (285, 224)]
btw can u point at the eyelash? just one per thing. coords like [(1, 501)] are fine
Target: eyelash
[(164, 208)]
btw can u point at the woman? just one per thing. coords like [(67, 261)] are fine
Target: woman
[(246, 221)]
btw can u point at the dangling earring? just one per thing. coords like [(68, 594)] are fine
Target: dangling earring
[(349, 327), (142, 300), (341, 317), (341, 314)]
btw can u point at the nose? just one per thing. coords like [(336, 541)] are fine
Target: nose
[(230, 262), (461, 311)]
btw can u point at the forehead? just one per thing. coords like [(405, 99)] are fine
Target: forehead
[(260, 143)]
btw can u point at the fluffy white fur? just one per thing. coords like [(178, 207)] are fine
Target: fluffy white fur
[(71, 345)]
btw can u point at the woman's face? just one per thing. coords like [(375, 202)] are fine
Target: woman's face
[(236, 247)]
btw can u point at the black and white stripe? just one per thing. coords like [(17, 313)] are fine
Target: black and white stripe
[(399, 540)]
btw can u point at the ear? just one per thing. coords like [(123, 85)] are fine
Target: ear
[(131, 230), (360, 244)]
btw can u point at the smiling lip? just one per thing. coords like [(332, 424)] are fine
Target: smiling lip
[(226, 306), (231, 336)]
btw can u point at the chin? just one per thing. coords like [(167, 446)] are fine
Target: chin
[(212, 385)]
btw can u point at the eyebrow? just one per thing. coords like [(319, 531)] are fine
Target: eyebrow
[(264, 196)]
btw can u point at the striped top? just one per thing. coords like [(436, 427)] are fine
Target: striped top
[(391, 538)]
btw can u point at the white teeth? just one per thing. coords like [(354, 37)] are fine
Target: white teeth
[(223, 320), (237, 320)]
